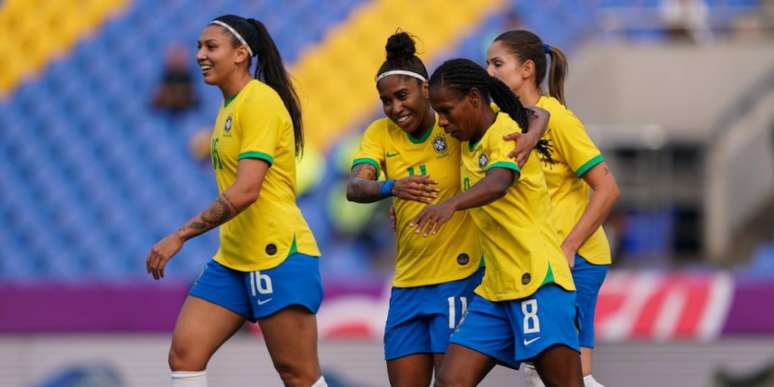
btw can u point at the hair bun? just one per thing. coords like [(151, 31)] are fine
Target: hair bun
[(400, 45)]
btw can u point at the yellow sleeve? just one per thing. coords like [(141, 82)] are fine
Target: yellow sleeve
[(261, 121), (371, 147), (497, 149), (573, 143)]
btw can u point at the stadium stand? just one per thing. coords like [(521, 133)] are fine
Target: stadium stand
[(98, 177)]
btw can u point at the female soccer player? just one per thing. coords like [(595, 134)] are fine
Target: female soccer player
[(266, 268), (434, 277), (524, 309), (518, 58)]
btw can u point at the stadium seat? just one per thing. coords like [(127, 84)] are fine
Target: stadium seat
[(91, 157)]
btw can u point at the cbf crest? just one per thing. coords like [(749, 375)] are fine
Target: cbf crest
[(227, 125), (439, 144), (483, 161)]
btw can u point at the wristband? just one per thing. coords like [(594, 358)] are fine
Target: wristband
[(386, 189)]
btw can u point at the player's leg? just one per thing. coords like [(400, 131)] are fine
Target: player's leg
[(451, 304), (202, 327), (284, 301), (588, 280), (407, 348), (586, 360), (214, 310), (438, 361), (463, 367), (559, 366), (545, 328), (291, 338), (411, 371), (483, 338)]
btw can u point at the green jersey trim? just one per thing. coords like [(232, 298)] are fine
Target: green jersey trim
[(420, 140), (505, 164), (472, 145), (596, 160), (549, 276), (228, 100), (366, 160), (256, 155), (293, 246)]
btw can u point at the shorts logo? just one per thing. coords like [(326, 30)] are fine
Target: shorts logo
[(525, 278), (227, 125), (261, 302), (271, 249), (483, 161), (530, 341), (463, 259), (439, 144)]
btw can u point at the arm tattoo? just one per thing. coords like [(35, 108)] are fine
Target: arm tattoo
[(362, 186), (364, 171), (219, 212)]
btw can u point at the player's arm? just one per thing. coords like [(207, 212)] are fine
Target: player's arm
[(581, 154), (490, 188), (234, 200), (363, 187), (526, 142), (230, 203), (604, 194)]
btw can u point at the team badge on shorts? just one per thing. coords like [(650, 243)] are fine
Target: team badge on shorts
[(227, 125), (483, 161), (439, 144)]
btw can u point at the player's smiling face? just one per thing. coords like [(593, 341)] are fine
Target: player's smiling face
[(457, 114), (504, 65), (404, 100), (216, 55)]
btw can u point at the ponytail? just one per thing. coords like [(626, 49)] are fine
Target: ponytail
[(528, 46), (271, 71), (253, 35), (557, 73)]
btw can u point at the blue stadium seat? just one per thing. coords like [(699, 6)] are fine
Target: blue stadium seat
[(112, 175)]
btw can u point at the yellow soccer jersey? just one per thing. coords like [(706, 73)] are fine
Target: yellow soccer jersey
[(574, 154), (255, 124), (447, 256), (517, 237)]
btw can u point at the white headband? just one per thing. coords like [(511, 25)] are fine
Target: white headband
[(400, 72), (233, 31)]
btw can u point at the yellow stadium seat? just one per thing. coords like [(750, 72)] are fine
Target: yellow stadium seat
[(36, 31)]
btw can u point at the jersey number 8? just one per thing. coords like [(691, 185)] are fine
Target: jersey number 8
[(260, 283), (531, 321)]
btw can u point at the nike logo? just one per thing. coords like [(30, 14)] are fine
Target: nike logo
[(261, 302), (528, 342), (392, 154)]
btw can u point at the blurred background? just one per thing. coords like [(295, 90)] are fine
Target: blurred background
[(104, 135)]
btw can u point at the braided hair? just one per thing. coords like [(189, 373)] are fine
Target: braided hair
[(269, 68), (463, 75)]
